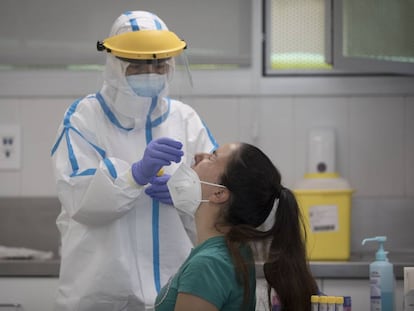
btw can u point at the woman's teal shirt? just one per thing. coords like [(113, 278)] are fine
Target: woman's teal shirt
[(209, 273)]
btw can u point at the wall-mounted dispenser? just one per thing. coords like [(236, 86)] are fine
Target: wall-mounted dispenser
[(321, 149)]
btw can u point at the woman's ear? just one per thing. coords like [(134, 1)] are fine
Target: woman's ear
[(221, 195)]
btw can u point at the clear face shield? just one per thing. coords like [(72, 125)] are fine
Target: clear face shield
[(182, 82), (149, 78), (152, 63)]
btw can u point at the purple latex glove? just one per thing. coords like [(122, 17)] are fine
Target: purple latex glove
[(159, 152), (158, 189)]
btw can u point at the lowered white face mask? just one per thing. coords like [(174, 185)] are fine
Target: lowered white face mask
[(147, 85), (185, 189)]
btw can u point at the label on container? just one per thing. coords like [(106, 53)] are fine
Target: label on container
[(375, 284), (323, 218)]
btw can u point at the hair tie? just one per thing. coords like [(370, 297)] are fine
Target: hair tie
[(279, 191)]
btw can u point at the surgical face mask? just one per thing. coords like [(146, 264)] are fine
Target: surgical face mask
[(147, 85), (185, 189)]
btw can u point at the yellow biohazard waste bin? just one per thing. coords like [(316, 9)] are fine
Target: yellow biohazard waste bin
[(325, 202)]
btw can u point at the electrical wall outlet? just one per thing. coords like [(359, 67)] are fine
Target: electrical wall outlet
[(10, 147)]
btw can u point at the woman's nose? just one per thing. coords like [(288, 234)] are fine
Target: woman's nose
[(199, 157)]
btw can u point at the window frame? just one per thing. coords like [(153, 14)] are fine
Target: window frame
[(359, 64), (341, 65)]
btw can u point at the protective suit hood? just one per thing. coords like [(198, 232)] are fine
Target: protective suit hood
[(130, 109)]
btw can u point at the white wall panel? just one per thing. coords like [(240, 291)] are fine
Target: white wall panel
[(409, 146), (41, 118), (10, 179), (377, 146), (9, 109), (250, 119), (32, 294), (277, 134), (221, 116), (9, 183)]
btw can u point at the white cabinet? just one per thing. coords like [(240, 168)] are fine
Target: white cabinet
[(33, 294), (359, 291), (261, 295)]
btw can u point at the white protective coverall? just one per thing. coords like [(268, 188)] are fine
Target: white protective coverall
[(119, 247)]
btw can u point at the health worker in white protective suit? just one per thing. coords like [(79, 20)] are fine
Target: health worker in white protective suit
[(121, 237)]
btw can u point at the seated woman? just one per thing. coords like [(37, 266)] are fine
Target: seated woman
[(231, 193)]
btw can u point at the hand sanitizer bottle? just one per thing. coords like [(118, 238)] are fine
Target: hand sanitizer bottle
[(381, 276)]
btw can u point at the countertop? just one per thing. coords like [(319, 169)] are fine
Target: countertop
[(345, 269), (370, 217), (29, 268), (353, 269)]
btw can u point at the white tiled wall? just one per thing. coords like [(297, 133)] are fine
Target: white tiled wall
[(377, 145), (10, 180), (40, 119), (374, 137), (409, 146), (221, 115), (276, 133)]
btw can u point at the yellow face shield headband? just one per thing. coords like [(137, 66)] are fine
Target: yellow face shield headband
[(143, 44)]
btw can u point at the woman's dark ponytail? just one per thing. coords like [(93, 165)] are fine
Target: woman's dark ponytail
[(287, 270)]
